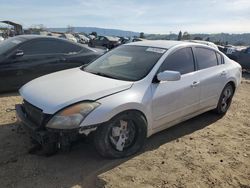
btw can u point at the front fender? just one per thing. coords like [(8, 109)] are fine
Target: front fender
[(117, 103)]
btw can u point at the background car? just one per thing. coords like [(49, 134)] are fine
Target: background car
[(69, 37), (25, 57), (105, 41), (81, 38), (124, 40), (136, 90), (1, 39), (138, 39), (242, 57)]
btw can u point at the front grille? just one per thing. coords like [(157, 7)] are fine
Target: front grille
[(33, 113)]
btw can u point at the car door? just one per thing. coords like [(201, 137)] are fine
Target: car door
[(48, 56), (100, 41), (244, 59), (16, 69), (213, 75), (73, 55), (9, 76), (173, 100), (38, 59)]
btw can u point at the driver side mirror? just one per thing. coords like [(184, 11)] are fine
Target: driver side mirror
[(169, 76), (19, 53)]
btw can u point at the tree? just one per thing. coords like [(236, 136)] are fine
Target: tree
[(186, 36), (94, 33), (207, 39), (70, 29), (179, 36), (142, 35), (240, 43)]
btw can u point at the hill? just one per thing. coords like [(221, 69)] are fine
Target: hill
[(100, 31), (235, 39)]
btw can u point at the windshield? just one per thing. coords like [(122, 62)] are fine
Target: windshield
[(126, 62), (8, 44)]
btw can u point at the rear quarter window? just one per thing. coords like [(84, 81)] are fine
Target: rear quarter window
[(219, 59), (206, 58)]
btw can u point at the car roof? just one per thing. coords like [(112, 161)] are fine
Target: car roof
[(208, 43), (167, 44), (28, 37), (112, 38)]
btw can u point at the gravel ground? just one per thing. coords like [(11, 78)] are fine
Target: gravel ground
[(206, 151)]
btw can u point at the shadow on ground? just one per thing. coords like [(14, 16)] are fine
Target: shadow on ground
[(81, 166), (12, 94)]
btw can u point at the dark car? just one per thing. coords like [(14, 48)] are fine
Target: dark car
[(105, 41), (243, 58), (25, 57)]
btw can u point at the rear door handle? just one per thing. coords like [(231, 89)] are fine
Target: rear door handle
[(195, 84)]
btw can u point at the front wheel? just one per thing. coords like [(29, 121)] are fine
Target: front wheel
[(122, 136), (225, 99)]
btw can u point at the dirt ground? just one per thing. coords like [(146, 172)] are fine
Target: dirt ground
[(206, 151)]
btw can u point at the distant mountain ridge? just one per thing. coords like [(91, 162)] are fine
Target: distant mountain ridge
[(100, 31), (235, 39)]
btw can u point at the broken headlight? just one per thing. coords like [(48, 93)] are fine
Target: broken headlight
[(71, 117)]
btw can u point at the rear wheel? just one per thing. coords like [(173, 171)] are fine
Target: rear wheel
[(122, 136), (225, 99)]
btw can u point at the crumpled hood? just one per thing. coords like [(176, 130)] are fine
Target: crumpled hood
[(55, 91)]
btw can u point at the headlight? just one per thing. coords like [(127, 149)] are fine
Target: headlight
[(72, 116)]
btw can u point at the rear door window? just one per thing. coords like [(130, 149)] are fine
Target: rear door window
[(182, 61), (205, 58)]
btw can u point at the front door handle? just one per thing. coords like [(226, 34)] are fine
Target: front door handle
[(195, 84), (60, 60), (223, 73)]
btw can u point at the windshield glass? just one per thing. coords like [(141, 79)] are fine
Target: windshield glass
[(126, 62), (8, 44)]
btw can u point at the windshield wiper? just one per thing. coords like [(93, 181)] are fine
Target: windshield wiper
[(103, 74)]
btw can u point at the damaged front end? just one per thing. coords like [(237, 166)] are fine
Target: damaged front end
[(48, 140)]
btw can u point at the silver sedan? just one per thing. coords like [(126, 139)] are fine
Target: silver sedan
[(128, 94)]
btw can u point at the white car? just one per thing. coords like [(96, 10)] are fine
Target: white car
[(1, 39), (69, 37), (211, 44), (127, 95)]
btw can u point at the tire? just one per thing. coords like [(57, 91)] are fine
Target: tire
[(225, 99), (122, 136)]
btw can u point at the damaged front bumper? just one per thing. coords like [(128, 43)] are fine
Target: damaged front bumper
[(59, 138)]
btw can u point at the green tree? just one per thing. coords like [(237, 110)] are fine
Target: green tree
[(186, 36), (142, 35), (93, 33), (179, 36)]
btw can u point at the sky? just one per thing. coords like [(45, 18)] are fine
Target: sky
[(148, 16)]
